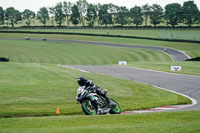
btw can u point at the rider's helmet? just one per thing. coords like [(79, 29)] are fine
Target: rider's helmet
[(81, 81)]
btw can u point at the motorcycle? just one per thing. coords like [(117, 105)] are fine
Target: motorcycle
[(86, 98)]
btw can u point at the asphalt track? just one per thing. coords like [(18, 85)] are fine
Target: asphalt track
[(176, 55), (188, 85)]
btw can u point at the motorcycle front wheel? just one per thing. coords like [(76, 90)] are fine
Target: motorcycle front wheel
[(115, 109), (88, 108)]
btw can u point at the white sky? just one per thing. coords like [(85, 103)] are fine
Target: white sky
[(34, 5)]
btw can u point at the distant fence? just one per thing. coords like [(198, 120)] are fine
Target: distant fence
[(103, 27)]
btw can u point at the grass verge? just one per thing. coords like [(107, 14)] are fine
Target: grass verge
[(188, 67), (184, 34), (173, 122), (29, 51)]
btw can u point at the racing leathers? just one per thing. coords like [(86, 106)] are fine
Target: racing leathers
[(94, 89)]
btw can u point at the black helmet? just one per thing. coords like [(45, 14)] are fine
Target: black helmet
[(81, 80)]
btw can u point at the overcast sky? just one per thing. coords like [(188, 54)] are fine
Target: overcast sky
[(34, 5)]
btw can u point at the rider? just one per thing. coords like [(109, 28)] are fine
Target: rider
[(84, 83)]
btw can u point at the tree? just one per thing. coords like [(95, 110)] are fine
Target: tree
[(98, 7), (59, 14), (173, 14), (146, 10), (198, 17), (27, 15), (52, 12), (67, 10), (43, 15), (190, 13), (13, 15), (122, 15), (136, 15), (91, 14), (156, 14), (82, 7), (75, 15), (104, 16), (112, 9), (2, 14)]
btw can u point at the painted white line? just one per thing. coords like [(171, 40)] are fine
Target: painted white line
[(173, 107), (194, 102), (183, 52), (65, 66), (83, 71), (160, 108), (73, 68)]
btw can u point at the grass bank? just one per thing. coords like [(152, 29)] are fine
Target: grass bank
[(29, 51), (173, 122), (193, 49), (183, 34), (188, 67)]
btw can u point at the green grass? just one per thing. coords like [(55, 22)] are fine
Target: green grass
[(193, 49), (33, 85), (188, 67), (167, 122), (68, 53), (184, 34), (29, 89)]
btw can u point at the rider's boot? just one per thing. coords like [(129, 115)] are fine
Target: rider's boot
[(99, 110)]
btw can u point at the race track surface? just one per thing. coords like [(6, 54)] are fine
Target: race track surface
[(185, 84)]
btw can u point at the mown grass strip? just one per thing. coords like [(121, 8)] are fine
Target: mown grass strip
[(68, 53), (193, 49), (188, 67), (176, 122), (171, 34)]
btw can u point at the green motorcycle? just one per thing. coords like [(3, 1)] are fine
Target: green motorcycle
[(86, 98)]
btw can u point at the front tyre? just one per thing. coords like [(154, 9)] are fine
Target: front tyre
[(88, 108), (115, 109)]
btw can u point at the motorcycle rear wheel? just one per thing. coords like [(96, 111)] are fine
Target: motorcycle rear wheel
[(87, 108)]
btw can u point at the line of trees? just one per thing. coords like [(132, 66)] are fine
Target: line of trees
[(83, 12)]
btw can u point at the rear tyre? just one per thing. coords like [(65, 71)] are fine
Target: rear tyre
[(88, 108), (115, 109)]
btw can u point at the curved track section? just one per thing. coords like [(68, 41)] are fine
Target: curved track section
[(176, 55), (188, 85)]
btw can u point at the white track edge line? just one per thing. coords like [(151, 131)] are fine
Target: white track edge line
[(73, 68)]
